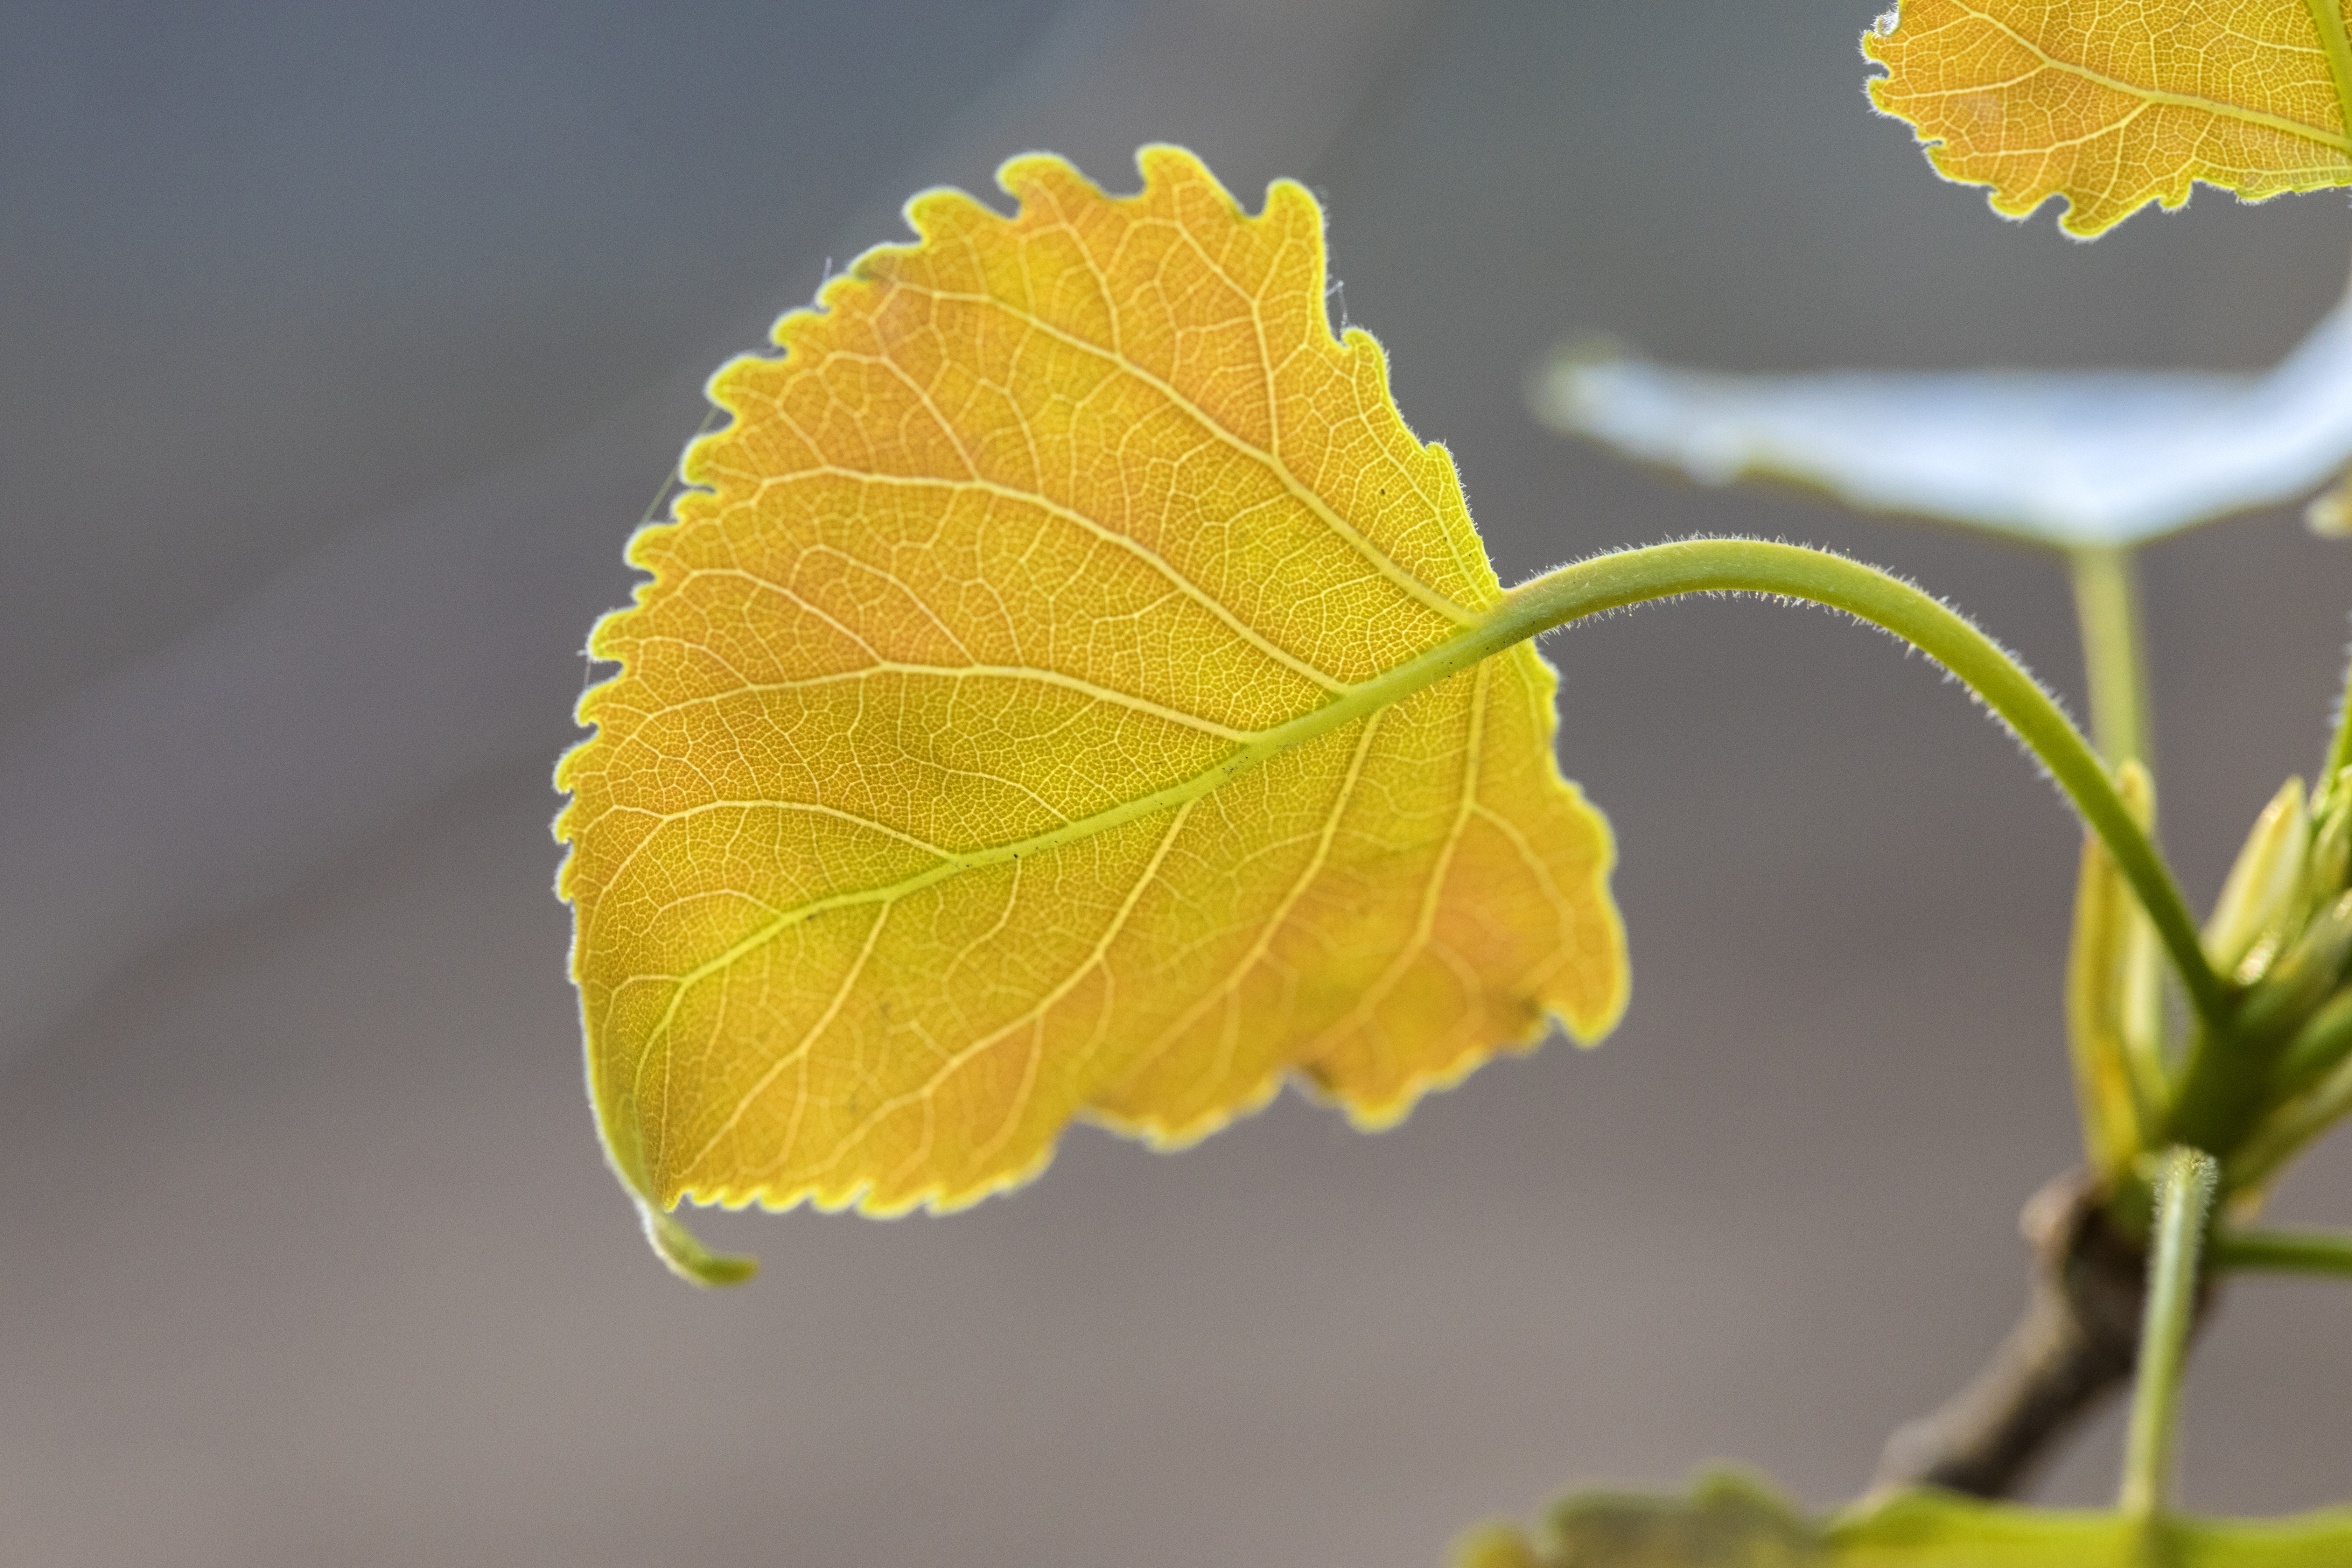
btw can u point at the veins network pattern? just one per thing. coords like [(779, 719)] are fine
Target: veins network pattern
[(2113, 104), (1029, 716)]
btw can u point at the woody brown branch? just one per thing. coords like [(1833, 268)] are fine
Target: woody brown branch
[(2074, 1346)]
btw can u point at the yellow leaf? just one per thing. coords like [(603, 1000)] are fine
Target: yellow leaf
[(2112, 104), (1727, 1520), (1059, 700)]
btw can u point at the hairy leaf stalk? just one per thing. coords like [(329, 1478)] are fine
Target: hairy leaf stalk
[(1755, 567)]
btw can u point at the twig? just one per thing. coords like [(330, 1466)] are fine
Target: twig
[(2076, 1344)]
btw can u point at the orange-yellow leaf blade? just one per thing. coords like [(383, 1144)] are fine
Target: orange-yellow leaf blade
[(2112, 104), (1040, 712)]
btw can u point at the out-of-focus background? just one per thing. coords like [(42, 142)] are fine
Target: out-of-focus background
[(343, 347)]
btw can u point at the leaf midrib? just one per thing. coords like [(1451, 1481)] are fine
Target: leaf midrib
[(1489, 634), (1272, 461), (2327, 21), (1472, 639), (2339, 62)]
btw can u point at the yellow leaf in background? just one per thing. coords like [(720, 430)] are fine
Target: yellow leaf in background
[(2112, 104), (1727, 1520), (1058, 701)]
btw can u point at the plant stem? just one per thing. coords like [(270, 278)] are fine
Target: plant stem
[(2184, 1195), (1753, 566), (2107, 604), (2283, 1251), (2075, 1343)]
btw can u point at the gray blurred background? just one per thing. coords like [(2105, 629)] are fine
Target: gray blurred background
[(344, 346)]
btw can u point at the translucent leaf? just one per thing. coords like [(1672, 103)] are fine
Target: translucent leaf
[(1729, 1522), (1051, 704), (2113, 104), (2062, 457), (1942, 1530)]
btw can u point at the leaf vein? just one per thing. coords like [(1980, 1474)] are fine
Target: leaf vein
[(2339, 140), (1304, 494)]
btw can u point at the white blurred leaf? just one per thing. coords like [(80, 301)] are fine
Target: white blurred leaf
[(2068, 458)]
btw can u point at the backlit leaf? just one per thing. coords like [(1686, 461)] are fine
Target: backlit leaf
[(2112, 104), (1055, 702), (2070, 458), (1729, 1521), (1929, 1529)]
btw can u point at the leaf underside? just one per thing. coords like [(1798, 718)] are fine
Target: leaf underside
[(2113, 104), (1018, 726), (2069, 459)]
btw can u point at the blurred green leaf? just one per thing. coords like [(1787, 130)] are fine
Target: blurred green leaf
[(1727, 1521), (1730, 1522), (1943, 1530), (2068, 458)]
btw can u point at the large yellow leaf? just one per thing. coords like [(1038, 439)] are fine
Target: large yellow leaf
[(2112, 104), (1059, 701)]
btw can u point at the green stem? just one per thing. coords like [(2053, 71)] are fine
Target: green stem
[(1752, 566), (2107, 604), (2283, 1251), (2183, 1197)]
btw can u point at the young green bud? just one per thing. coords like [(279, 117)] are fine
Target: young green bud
[(2306, 977), (2325, 872), (2114, 1002), (2258, 895), (2318, 1049)]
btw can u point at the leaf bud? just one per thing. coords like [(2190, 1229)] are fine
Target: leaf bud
[(2302, 980), (2323, 1042), (2259, 894), (2330, 860), (2114, 1009)]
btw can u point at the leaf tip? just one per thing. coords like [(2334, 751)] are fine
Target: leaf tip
[(689, 1259)]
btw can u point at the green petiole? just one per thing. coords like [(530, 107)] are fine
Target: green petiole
[(2283, 1251), (1753, 566), (2106, 605)]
